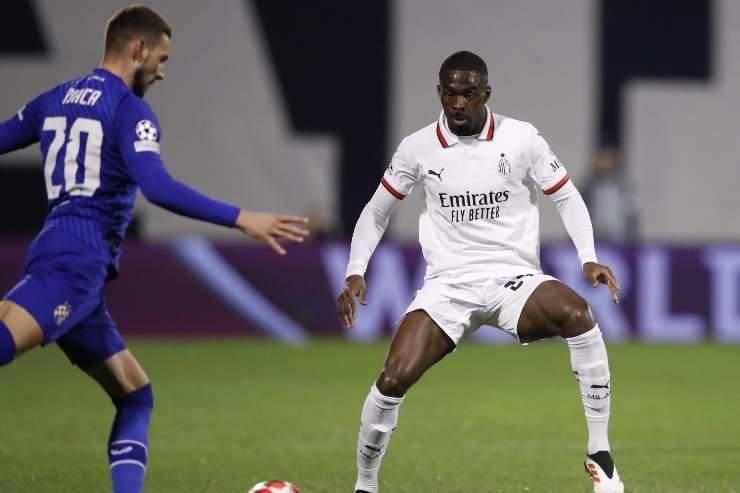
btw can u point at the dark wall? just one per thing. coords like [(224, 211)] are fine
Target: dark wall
[(23, 200), (659, 39), (333, 63)]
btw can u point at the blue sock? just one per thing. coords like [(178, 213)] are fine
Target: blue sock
[(7, 345), (127, 445)]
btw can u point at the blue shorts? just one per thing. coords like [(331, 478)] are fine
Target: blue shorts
[(62, 288)]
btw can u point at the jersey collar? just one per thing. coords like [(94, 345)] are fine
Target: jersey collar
[(107, 74), (447, 138)]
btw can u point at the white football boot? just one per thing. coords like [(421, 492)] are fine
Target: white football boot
[(597, 466)]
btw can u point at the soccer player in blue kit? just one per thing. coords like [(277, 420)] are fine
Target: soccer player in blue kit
[(101, 142)]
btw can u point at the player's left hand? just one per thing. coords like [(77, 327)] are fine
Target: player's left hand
[(268, 227), (601, 274)]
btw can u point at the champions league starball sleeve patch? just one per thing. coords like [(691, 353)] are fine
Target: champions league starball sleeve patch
[(147, 133)]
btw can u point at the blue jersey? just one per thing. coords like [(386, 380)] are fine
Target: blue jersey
[(100, 142), (85, 127)]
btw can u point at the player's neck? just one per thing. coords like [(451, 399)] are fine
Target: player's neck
[(119, 68)]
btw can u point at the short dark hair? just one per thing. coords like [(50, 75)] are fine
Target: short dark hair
[(131, 22), (464, 60)]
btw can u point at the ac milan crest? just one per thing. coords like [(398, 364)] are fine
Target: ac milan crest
[(504, 166)]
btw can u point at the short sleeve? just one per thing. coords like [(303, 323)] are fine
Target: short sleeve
[(138, 131), (547, 170), (402, 173)]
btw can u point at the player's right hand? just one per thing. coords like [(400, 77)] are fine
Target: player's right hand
[(601, 274), (268, 227), (355, 288)]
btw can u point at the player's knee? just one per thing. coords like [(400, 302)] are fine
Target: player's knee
[(391, 385), (395, 380), (576, 318), (7, 345)]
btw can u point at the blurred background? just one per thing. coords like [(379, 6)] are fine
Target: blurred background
[(297, 107)]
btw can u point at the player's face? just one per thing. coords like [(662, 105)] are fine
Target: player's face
[(152, 66), (464, 94)]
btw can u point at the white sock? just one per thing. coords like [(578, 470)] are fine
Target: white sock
[(590, 364), (379, 418)]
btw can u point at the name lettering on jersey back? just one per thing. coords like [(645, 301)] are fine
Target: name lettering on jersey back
[(85, 97), (473, 206)]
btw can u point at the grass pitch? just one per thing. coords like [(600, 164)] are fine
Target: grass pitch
[(488, 419)]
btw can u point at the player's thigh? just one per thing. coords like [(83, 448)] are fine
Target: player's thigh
[(95, 345), (23, 327), (62, 284), (418, 344), (119, 374), (553, 309)]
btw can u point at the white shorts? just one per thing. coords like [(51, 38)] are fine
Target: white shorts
[(459, 308)]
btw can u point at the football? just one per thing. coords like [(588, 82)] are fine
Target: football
[(274, 487)]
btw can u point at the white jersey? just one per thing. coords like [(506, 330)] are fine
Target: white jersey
[(480, 215)]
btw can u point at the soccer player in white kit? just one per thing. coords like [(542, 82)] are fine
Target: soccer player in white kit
[(479, 174)]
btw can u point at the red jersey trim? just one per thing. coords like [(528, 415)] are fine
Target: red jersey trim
[(441, 137), (557, 186), (490, 129), (392, 190)]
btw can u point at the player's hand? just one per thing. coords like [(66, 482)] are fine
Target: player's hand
[(355, 288), (601, 274), (269, 227)]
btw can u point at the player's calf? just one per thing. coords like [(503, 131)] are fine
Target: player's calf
[(378, 421), (128, 442), (590, 366)]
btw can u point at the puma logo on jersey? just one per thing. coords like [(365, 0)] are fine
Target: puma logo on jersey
[(124, 450), (438, 175), (600, 386)]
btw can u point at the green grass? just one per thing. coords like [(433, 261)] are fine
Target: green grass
[(489, 419)]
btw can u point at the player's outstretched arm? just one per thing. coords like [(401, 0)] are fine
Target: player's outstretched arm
[(369, 229), (139, 135), (269, 227), (161, 189)]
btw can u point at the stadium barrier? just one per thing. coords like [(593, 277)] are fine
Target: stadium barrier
[(193, 288)]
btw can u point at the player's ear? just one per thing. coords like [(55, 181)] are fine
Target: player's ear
[(138, 50), (488, 92), (439, 90)]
